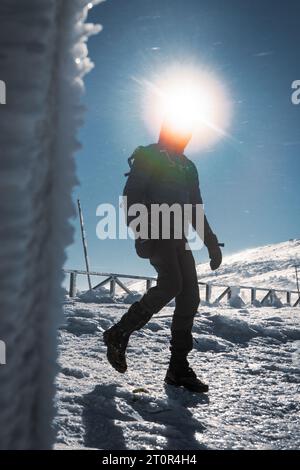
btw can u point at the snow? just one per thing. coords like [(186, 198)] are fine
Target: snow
[(249, 356), (39, 45)]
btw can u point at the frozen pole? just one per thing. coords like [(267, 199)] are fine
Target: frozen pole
[(84, 244), (296, 270)]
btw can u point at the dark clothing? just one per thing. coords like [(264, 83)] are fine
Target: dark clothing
[(177, 277), (156, 177)]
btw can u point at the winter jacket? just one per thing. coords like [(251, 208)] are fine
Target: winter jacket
[(156, 177)]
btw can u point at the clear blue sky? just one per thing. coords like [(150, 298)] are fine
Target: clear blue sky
[(250, 189)]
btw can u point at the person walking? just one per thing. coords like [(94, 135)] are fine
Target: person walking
[(162, 174)]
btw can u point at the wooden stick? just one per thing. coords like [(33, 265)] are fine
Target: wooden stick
[(83, 236)]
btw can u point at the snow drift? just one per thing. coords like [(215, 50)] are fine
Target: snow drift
[(43, 58)]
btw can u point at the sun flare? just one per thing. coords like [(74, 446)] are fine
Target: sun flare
[(189, 101)]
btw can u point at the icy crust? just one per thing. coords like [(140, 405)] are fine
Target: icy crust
[(43, 58), (250, 357)]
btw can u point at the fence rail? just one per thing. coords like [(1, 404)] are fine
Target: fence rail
[(114, 279)]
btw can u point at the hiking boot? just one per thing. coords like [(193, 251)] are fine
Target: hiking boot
[(185, 378), (117, 337), (116, 341)]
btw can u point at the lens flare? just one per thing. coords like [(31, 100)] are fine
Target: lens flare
[(189, 101), (184, 107)]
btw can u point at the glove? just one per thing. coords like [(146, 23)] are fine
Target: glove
[(215, 253)]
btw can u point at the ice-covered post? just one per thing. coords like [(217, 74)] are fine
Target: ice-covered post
[(207, 293), (112, 286), (272, 296), (253, 295), (84, 243), (298, 289), (45, 82), (72, 290)]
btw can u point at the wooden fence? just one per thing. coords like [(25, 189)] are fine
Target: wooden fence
[(292, 297)]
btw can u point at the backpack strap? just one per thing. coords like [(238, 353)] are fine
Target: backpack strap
[(131, 160), (130, 163)]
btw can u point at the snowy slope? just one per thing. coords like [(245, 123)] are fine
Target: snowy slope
[(250, 358), (265, 266), (270, 266)]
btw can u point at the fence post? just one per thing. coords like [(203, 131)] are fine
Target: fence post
[(72, 289), (207, 293), (148, 284), (266, 297), (297, 302), (288, 297), (112, 287), (229, 293), (253, 295)]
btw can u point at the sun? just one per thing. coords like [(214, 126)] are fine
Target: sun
[(185, 107), (189, 100)]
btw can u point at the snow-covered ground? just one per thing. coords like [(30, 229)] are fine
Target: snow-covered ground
[(249, 356)]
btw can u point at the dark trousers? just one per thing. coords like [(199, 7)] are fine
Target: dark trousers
[(177, 278)]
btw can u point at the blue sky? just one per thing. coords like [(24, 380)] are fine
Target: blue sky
[(250, 186)]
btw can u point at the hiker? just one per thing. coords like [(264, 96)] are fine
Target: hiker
[(161, 173)]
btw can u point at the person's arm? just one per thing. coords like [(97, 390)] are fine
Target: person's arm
[(210, 239)]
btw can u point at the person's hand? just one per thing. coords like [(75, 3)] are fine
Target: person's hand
[(214, 252), (215, 255)]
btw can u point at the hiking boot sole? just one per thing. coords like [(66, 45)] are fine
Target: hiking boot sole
[(197, 388)]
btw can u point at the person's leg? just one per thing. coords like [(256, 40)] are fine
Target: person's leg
[(187, 302), (169, 284), (165, 261)]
